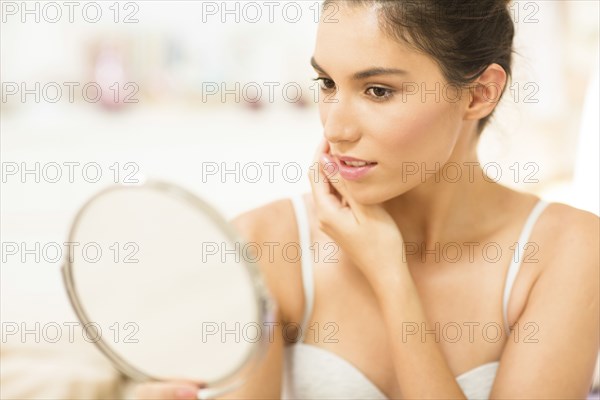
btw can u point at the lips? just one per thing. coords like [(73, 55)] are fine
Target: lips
[(353, 161), (352, 168)]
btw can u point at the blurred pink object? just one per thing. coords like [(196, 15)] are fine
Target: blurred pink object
[(109, 74)]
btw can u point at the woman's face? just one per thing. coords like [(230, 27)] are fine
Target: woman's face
[(407, 122)]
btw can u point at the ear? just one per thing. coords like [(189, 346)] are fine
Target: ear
[(484, 93)]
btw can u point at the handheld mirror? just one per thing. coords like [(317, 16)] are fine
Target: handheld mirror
[(161, 284)]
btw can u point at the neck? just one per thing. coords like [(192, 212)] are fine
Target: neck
[(450, 204)]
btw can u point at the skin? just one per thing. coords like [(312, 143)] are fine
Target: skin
[(375, 284)]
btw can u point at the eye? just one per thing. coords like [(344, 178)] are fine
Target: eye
[(380, 93), (326, 83)]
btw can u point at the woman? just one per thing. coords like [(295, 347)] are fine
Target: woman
[(445, 283)]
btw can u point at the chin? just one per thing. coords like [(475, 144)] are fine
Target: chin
[(372, 196)]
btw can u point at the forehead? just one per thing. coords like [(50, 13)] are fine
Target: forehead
[(355, 40)]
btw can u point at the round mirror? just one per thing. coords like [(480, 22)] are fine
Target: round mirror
[(162, 285)]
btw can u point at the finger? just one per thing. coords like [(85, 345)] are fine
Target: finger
[(339, 185), (318, 177), (166, 390), (329, 166), (326, 199), (323, 194), (329, 191), (321, 148), (331, 170)]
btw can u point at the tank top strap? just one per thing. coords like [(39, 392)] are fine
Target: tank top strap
[(517, 257), (306, 264)]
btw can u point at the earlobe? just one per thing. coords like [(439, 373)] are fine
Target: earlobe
[(485, 92)]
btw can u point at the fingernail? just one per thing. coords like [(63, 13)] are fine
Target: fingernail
[(185, 393)]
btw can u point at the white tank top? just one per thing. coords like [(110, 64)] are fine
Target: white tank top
[(311, 372)]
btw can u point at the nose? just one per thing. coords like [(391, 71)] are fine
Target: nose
[(340, 123)]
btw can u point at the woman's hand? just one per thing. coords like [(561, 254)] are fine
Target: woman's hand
[(366, 233), (166, 390)]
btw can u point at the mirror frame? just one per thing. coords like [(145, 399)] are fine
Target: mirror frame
[(265, 303)]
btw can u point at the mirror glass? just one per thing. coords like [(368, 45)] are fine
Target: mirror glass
[(165, 286)]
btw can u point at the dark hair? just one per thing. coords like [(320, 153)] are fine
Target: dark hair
[(464, 37)]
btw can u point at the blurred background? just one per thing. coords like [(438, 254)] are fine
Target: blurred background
[(97, 93)]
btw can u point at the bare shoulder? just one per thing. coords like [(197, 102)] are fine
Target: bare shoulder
[(563, 309), (570, 240), (272, 229), (575, 251), (574, 234), (575, 216)]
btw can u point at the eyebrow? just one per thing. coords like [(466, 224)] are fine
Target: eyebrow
[(363, 74)]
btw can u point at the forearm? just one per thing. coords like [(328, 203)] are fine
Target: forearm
[(421, 368)]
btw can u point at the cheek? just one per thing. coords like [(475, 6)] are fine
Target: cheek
[(420, 132), (323, 108), (422, 135)]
